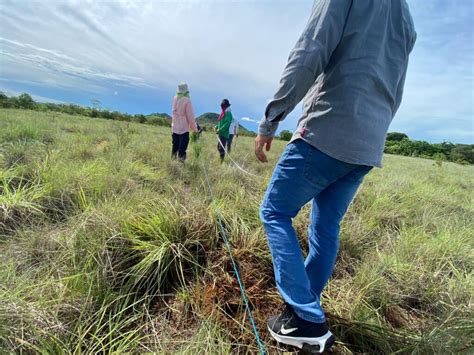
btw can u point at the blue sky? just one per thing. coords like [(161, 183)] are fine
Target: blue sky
[(131, 54)]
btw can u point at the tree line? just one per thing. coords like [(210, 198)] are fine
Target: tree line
[(25, 101), (396, 143), (400, 144)]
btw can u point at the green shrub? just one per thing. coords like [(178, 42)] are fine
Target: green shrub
[(285, 135), (158, 121)]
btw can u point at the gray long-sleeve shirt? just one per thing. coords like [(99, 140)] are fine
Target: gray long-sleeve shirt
[(349, 65)]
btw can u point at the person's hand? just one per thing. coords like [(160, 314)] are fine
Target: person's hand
[(260, 143)]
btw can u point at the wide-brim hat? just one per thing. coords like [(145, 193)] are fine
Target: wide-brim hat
[(183, 88)]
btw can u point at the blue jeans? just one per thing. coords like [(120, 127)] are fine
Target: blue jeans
[(306, 174)]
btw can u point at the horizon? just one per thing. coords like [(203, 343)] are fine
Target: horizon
[(198, 116), (131, 56)]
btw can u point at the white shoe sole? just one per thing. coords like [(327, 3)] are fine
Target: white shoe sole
[(300, 342)]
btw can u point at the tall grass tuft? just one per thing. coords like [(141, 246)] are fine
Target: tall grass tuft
[(166, 246)]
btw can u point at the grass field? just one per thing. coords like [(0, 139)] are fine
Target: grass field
[(108, 246)]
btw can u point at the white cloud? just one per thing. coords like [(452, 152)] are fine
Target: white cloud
[(247, 119), (34, 48), (58, 63), (235, 49), (154, 44), (37, 98), (457, 133)]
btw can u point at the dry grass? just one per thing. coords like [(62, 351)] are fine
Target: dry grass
[(109, 246)]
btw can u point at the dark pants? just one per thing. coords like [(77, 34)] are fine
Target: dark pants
[(229, 143), (180, 144), (220, 147)]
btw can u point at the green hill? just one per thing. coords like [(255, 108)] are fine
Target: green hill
[(157, 114), (209, 120)]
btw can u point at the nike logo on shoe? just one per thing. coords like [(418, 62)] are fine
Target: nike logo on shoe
[(287, 331)]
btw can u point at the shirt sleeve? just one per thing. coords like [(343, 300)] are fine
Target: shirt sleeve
[(174, 107), (398, 97), (401, 83), (190, 116), (307, 60)]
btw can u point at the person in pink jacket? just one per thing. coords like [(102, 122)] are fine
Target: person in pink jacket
[(183, 121)]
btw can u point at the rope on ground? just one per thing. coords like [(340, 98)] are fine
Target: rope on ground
[(235, 163), (234, 265)]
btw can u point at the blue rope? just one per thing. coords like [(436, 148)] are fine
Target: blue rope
[(234, 265)]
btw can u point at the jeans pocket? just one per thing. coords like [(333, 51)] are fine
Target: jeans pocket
[(313, 169), (289, 150)]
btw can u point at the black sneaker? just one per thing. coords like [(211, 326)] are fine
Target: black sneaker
[(288, 328)]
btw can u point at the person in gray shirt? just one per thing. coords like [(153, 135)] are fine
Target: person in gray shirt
[(349, 65)]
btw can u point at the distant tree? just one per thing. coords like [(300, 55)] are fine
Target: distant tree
[(94, 113), (13, 101), (96, 104), (41, 107), (25, 101), (392, 147), (158, 121), (396, 136), (51, 106), (285, 135), (106, 114), (5, 100), (439, 157), (463, 153), (247, 133), (421, 148), (139, 118), (118, 116), (72, 109)]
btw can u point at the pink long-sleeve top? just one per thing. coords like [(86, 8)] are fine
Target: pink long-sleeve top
[(183, 116)]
